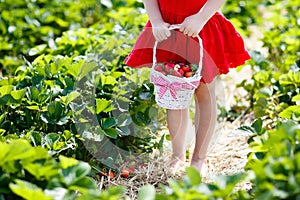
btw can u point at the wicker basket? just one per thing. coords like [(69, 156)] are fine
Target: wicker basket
[(174, 92)]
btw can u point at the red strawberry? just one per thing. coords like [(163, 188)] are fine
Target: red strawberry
[(169, 66), (186, 68), (176, 73), (189, 74), (111, 175), (181, 71), (125, 173), (159, 68)]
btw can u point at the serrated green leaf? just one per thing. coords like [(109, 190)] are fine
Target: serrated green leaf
[(103, 105), (28, 190), (292, 112)]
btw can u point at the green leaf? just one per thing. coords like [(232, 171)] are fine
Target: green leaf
[(28, 190), (103, 105), (75, 173), (111, 132), (51, 139), (124, 119), (33, 107), (70, 97), (6, 89), (66, 162), (296, 98), (147, 192), (18, 94), (194, 175), (83, 185), (41, 171), (108, 122), (292, 112), (19, 150), (86, 68), (33, 93), (108, 80), (257, 125)]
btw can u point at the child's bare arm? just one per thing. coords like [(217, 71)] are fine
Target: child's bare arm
[(193, 24), (159, 27)]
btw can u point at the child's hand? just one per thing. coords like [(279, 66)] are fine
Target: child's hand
[(192, 25), (160, 31)]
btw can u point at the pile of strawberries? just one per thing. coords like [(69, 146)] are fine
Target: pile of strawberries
[(179, 69)]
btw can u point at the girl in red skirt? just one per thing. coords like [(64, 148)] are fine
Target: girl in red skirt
[(223, 49)]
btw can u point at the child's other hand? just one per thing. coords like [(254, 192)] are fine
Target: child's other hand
[(192, 25), (160, 31)]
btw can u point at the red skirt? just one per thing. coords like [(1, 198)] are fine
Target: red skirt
[(223, 46)]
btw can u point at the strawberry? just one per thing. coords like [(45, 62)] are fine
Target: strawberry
[(186, 68), (181, 71), (189, 74), (169, 66), (176, 73), (125, 173), (159, 68), (111, 175)]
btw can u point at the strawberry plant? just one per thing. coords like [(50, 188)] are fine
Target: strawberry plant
[(29, 27), (30, 172), (274, 161)]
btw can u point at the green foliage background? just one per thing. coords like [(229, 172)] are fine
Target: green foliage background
[(65, 93)]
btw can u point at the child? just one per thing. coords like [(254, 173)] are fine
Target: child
[(223, 49)]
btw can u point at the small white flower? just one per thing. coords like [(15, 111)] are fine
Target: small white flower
[(176, 67)]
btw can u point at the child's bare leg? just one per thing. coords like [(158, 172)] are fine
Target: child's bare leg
[(205, 121), (177, 123)]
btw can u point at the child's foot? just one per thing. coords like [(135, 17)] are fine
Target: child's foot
[(177, 164), (201, 166)]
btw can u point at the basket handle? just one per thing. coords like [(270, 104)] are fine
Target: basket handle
[(177, 26)]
